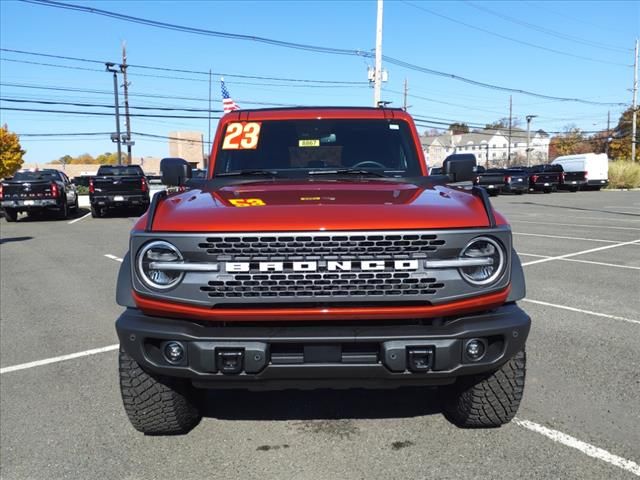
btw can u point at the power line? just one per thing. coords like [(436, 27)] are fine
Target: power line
[(511, 39), (102, 105), (75, 112), (144, 95), (180, 70), (548, 31), (306, 47)]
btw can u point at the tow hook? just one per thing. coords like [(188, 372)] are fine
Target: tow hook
[(230, 361)]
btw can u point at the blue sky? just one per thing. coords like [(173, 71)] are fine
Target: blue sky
[(577, 29)]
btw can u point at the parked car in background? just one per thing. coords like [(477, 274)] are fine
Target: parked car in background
[(545, 178), (37, 191), (81, 180), (197, 179), (573, 181), (594, 165), (492, 180), (516, 180), (118, 186)]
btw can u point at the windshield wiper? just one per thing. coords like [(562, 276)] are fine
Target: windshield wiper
[(347, 171), (239, 173)]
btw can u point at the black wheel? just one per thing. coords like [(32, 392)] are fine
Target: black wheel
[(489, 400), (10, 214), (63, 211), (156, 405), (519, 192), (547, 190), (96, 212), (75, 205), (493, 193)]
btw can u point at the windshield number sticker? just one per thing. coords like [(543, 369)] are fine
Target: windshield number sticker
[(309, 143), (247, 202), (241, 136)]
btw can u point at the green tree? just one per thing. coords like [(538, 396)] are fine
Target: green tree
[(570, 142), (11, 152), (620, 145), (459, 128)]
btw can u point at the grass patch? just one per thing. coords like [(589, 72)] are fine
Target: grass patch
[(624, 174)]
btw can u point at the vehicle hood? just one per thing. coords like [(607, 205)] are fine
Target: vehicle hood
[(311, 205)]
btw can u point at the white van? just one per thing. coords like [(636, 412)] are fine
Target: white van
[(595, 164)]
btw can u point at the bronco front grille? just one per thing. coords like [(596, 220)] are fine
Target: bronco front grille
[(295, 247), (315, 285)]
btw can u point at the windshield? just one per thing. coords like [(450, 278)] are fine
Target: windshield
[(294, 148), (39, 175), (124, 171)]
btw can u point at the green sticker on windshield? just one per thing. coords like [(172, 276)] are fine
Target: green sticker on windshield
[(309, 143)]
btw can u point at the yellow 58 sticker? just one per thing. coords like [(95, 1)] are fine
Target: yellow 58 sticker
[(247, 202)]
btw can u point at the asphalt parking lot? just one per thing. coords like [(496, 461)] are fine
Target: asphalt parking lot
[(580, 418)]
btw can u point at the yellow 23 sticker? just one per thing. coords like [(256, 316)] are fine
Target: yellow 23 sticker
[(247, 202), (241, 136)]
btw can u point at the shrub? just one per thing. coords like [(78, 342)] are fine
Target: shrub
[(624, 174), (82, 190)]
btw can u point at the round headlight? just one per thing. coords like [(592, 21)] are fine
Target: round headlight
[(490, 257), (154, 261)]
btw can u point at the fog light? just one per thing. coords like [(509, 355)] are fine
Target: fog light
[(174, 352), (475, 349)]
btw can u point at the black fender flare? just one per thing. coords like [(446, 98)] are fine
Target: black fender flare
[(124, 287), (518, 288)]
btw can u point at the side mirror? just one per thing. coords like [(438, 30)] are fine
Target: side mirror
[(460, 167), (174, 171)]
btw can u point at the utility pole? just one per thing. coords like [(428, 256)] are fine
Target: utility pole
[(510, 124), (111, 67), (406, 91), (377, 81), (635, 103), (127, 119), (529, 117)]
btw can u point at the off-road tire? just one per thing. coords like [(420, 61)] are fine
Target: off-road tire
[(490, 400), (156, 405), (96, 212), (10, 214)]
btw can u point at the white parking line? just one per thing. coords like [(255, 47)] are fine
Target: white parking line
[(78, 219), (564, 238), (586, 448), (579, 310), (568, 255), (113, 257), (61, 358), (590, 262), (608, 227)]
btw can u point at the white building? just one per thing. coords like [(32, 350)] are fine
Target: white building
[(491, 147)]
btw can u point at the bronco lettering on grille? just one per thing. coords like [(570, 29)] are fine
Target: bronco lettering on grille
[(314, 266)]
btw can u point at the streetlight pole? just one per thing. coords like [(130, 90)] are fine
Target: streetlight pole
[(377, 79), (111, 68), (529, 117)]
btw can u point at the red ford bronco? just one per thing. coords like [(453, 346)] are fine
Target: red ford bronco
[(318, 253)]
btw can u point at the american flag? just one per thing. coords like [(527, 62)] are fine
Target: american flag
[(228, 105)]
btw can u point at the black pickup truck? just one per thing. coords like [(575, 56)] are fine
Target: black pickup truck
[(573, 181), (545, 178), (118, 186), (492, 180), (37, 191)]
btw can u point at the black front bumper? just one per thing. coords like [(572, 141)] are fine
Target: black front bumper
[(118, 200), (338, 356)]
